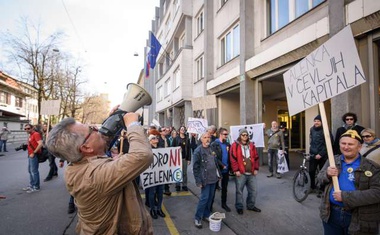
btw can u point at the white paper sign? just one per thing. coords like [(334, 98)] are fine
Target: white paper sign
[(197, 125), (50, 107), (206, 102), (255, 132), (165, 168), (330, 70)]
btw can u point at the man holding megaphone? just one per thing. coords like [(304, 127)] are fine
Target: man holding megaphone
[(105, 193)]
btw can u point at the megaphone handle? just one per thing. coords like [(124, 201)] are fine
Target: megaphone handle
[(121, 145)]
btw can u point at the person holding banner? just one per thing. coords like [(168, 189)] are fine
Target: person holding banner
[(206, 174), (157, 191), (245, 164), (183, 141), (106, 196), (275, 142), (355, 209), (349, 120)]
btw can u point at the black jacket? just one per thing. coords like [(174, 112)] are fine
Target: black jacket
[(317, 142)]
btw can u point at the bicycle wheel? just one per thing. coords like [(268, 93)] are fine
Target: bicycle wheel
[(301, 185)]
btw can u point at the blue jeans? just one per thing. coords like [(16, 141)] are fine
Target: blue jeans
[(3, 143), (34, 174), (205, 200), (338, 222), (250, 182), (272, 160), (156, 192)]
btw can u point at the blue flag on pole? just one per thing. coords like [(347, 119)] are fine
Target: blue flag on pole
[(155, 47)]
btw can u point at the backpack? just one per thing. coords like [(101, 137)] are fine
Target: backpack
[(43, 155)]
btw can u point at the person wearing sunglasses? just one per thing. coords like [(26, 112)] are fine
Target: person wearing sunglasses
[(349, 120), (245, 164), (371, 146), (35, 144), (107, 199), (221, 147)]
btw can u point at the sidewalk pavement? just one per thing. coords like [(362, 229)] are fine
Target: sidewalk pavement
[(45, 212)]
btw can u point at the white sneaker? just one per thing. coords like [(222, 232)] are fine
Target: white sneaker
[(27, 188), (198, 223), (32, 190)]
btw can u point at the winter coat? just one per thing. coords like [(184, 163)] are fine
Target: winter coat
[(237, 161), (364, 202), (105, 193)]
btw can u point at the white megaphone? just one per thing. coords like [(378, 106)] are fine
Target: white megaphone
[(135, 98)]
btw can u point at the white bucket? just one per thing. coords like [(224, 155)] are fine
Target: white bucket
[(215, 224)]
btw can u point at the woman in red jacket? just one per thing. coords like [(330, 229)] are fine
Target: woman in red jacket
[(245, 165)]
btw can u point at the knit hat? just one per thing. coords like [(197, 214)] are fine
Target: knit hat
[(241, 131), (352, 134), (318, 117), (152, 137)]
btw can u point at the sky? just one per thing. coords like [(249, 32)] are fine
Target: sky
[(103, 34)]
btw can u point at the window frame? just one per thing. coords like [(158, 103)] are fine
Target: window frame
[(200, 23), (177, 77), (160, 95), (200, 68), (167, 87), (5, 97), (230, 44), (293, 11)]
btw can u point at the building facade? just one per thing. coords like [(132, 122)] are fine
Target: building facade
[(238, 50), (18, 106)]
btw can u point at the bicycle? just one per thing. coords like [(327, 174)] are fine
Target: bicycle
[(301, 180)]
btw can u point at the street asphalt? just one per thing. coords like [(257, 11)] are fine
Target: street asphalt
[(45, 212)]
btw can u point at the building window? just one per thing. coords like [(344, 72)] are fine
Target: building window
[(168, 87), (230, 45), (160, 94), (182, 41), (168, 25), (19, 102), (283, 12), (176, 5), (200, 69), (5, 97), (163, 9), (200, 24), (177, 78)]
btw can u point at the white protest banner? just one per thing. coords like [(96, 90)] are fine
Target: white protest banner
[(255, 132), (330, 70), (197, 125), (50, 107), (166, 168)]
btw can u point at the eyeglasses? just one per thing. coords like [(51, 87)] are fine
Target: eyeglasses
[(27, 129), (91, 129), (153, 138), (349, 119), (244, 135), (225, 134), (366, 136)]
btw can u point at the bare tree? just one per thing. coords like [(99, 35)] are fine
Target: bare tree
[(95, 109), (43, 66)]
